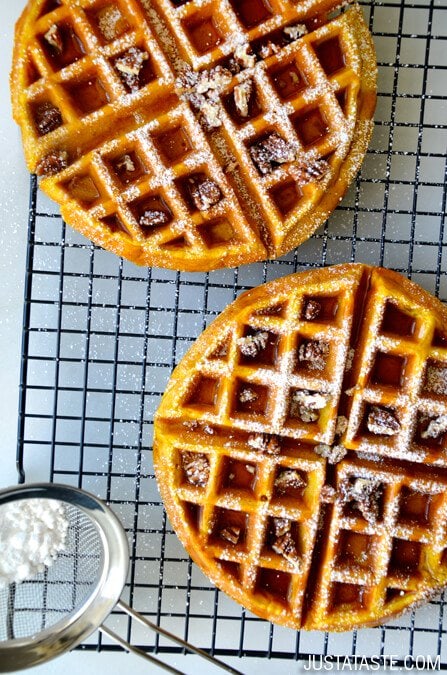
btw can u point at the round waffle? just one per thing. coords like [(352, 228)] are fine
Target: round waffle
[(194, 135), (301, 448)]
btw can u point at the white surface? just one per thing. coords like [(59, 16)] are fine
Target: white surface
[(115, 663), (13, 210)]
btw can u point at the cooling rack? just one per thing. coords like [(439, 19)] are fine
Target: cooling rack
[(101, 337)]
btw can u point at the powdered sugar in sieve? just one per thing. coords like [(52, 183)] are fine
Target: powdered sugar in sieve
[(70, 554), (32, 533)]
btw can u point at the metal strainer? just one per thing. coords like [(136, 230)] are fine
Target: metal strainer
[(56, 610)]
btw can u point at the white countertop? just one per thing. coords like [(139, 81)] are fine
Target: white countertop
[(13, 208)]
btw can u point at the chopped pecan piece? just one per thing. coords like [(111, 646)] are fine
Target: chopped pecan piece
[(54, 38), (231, 534), (265, 443), (295, 32), (271, 151), (221, 351), (310, 173), (242, 93), (268, 49), (251, 345), (288, 479), (314, 354), (382, 422), (307, 415), (305, 404), (364, 494), (333, 453), (52, 163), (284, 546), (196, 467), (243, 57), (327, 494), (312, 310), (205, 193), (233, 66), (214, 79), (48, 118), (129, 67), (436, 380), (314, 400), (349, 360), (210, 115), (125, 164), (153, 218), (341, 425), (203, 91), (336, 452), (436, 427), (281, 526)]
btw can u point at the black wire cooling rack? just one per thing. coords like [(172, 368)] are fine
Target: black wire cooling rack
[(101, 337)]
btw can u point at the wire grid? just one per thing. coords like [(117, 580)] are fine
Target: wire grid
[(102, 336), (46, 600)]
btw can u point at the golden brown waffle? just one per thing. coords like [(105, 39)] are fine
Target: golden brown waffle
[(194, 135), (301, 448)]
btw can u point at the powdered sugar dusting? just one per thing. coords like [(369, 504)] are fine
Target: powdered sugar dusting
[(315, 439), (146, 63), (32, 533)]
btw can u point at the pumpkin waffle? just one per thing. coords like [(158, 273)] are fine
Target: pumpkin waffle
[(301, 448), (194, 135)]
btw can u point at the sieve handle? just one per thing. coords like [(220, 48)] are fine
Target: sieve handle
[(139, 652), (161, 631)]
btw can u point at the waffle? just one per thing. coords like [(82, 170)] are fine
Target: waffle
[(301, 448), (194, 135)]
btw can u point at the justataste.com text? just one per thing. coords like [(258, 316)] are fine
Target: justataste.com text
[(371, 663)]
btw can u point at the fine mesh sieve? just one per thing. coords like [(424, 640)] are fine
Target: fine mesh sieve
[(55, 610)]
